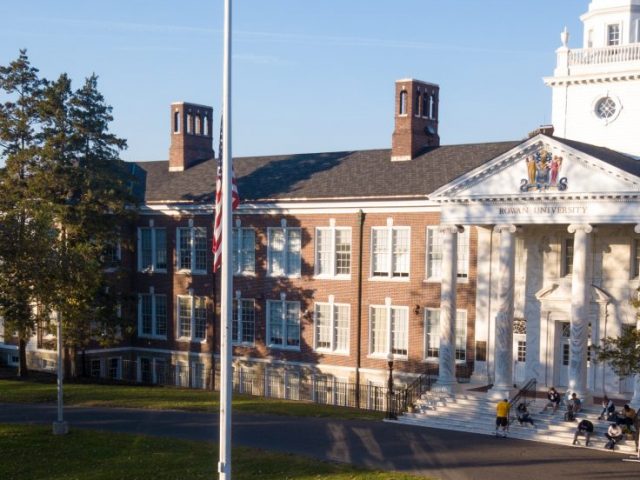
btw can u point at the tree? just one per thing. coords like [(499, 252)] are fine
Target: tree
[(25, 228), (88, 189), (623, 352), (64, 196)]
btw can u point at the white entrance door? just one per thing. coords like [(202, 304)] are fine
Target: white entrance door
[(562, 354), (519, 359)]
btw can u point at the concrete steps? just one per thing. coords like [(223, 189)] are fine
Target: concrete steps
[(471, 412)]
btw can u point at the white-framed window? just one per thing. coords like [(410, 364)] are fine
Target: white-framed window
[(198, 373), (152, 249), (192, 318), (390, 247), (388, 330), (182, 374), (114, 368), (635, 257), (434, 254), (333, 252), (244, 251), (613, 34), (13, 359), (567, 256), (283, 324), (244, 320), (191, 249), (283, 254), (95, 368), (432, 334), (160, 371), (112, 255), (332, 327), (152, 315)]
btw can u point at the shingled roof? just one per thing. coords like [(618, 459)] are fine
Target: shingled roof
[(338, 175), (617, 159), (365, 174)]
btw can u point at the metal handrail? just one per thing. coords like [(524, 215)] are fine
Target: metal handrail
[(401, 399)]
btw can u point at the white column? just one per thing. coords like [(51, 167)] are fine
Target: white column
[(635, 401), (447, 360), (503, 381), (579, 310)]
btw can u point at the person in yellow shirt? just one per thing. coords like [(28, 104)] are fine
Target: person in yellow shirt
[(502, 416)]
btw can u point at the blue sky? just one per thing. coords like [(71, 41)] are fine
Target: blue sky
[(309, 76)]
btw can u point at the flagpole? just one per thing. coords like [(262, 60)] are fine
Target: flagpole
[(224, 464)]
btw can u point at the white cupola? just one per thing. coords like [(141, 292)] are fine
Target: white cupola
[(611, 23), (596, 88)]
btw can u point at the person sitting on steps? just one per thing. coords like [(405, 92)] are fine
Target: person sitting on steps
[(585, 427), (614, 434), (523, 414), (575, 402), (608, 408), (554, 399), (626, 417)]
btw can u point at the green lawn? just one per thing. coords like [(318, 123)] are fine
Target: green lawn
[(33, 453), (160, 398)]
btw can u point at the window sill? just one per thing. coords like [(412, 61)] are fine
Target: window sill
[(271, 275), (186, 271), (191, 340), (332, 277), (153, 337), (390, 279), (244, 344), (382, 356), (459, 280), (331, 352), (436, 361), (150, 271), (280, 347)]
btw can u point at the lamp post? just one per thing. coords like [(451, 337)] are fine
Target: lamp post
[(60, 427), (391, 414)]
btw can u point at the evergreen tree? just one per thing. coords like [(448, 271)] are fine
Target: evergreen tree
[(88, 189), (24, 229), (64, 197)]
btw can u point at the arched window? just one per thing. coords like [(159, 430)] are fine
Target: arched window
[(403, 102), (432, 106), (425, 105), (197, 129), (205, 125), (416, 107), (189, 123), (176, 122)]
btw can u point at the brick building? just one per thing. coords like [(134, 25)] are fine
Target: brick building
[(504, 261)]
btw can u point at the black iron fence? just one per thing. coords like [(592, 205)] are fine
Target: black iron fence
[(282, 384)]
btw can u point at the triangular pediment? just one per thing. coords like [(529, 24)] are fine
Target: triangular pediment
[(542, 166)]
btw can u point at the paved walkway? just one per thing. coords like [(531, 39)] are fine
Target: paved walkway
[(423, 451)]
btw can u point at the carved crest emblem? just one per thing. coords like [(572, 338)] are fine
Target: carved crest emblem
[(543, 173)]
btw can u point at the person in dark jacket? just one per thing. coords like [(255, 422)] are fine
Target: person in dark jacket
[(554, 399), (523, 414), (585, 427)]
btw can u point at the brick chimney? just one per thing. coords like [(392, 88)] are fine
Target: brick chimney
[(416, 119), (191, 137)]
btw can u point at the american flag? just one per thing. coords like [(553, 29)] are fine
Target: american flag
[(235, 201)]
